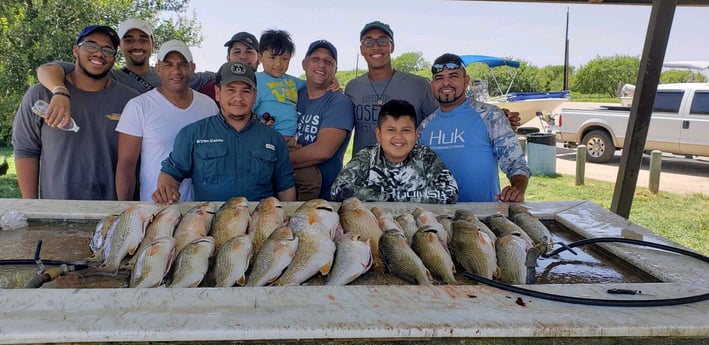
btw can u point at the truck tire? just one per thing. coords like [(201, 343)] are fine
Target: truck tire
[(599, 146)]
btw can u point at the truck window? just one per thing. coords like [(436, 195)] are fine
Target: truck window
[(700, 103), (668, 101)]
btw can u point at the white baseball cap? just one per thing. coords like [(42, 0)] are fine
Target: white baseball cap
[(134, 23), (174, 46)]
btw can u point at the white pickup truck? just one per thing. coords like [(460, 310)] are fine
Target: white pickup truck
[(679, 124)]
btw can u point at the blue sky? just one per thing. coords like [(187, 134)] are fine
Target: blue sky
[(529, 31)]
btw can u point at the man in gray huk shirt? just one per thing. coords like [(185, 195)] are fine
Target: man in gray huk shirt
[(56, 164)]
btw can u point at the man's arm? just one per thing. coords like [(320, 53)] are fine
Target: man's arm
[(515, 191), (324, 147), (52, 76), (168, 190), (128, 153), (28, 176), (287, 195)]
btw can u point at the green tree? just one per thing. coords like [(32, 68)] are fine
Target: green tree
[(602, 74), (410, 62), (551, 78), (33, 32), (680, 76)]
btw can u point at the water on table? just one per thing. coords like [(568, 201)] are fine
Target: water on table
[(69, 242)]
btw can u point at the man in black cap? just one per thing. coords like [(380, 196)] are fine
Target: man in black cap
[(231, 153), (56, 164), (242, 47)]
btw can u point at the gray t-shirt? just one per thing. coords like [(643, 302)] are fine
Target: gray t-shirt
[(366, 96), (146, 81), (74, 166)]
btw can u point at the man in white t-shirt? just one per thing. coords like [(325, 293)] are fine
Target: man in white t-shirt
[(151, 121)]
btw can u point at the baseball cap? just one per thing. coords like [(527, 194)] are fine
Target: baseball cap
[(134, 23), (246, 38), (377, 25), (448, 61), (322, 44), (174, 46), (236, 71), (102, 29)]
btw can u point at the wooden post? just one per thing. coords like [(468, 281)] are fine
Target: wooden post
[(523, 143), (655, 167), (580, 165)]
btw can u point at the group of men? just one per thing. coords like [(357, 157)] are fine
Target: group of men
[(158, 125)]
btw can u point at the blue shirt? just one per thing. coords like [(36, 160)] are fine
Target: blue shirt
[(224, 163), (278, 97), (332, 110), (472, 140)]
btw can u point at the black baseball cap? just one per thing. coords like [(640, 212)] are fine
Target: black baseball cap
[(322, 44), (377, 25), (246, 38), (102, 29)]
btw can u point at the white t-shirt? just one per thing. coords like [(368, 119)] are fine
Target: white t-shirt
[(154, 118)]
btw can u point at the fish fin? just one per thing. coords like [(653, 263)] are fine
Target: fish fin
[(325, 269), (241, 281), (497, 274)]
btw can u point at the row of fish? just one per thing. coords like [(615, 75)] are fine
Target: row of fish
[(179, 250)]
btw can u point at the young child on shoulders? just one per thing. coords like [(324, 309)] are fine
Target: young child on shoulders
[(277, 99)]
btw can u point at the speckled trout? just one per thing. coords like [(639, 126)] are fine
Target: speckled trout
[(427, 245), (400, 259), (474, 250)]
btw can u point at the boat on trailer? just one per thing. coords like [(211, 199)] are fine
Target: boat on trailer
[(528, 104)]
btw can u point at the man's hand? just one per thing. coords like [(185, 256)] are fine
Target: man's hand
[(168, 191), (513, 117), (334, 86), (59, 111), (515, 191)]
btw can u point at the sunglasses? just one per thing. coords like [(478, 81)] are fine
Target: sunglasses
[(438, 68), (92, 47), (381, 41)]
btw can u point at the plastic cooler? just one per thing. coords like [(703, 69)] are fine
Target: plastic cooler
[(541, 153)]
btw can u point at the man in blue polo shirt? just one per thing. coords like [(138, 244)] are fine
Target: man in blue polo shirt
[(229, 154)]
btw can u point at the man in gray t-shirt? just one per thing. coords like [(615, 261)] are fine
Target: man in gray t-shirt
[(56, 164), (382, 83)]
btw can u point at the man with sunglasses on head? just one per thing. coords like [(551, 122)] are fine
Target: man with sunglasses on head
[(472, 138), (382, 83), (56, 164)]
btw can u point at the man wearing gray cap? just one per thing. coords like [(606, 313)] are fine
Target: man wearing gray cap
[(56, 164), (231, 153), (150, 122)]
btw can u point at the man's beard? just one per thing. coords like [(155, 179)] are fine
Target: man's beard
[(454, 99), (93, 75)]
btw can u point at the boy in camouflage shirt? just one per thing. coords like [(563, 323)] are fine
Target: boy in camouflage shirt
[(396, 168)]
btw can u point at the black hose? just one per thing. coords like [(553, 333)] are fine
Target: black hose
[(589, 301), (602, 302), (628, 241), (77, 264)]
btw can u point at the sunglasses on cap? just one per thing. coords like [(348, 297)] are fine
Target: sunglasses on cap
[(92, 47), (381, 41), (438, 68)]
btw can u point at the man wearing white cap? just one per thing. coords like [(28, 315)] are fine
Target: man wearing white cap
[(150, 122)]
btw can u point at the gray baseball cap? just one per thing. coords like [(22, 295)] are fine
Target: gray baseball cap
[(236, 71)]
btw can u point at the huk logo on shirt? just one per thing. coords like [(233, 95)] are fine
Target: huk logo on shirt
[(440, 138)]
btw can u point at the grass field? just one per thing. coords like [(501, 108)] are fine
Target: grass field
[(683, 218)]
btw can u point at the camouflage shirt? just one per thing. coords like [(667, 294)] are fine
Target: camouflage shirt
[(421, 178)]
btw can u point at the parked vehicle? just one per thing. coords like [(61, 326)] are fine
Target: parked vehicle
[(679, 124)]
